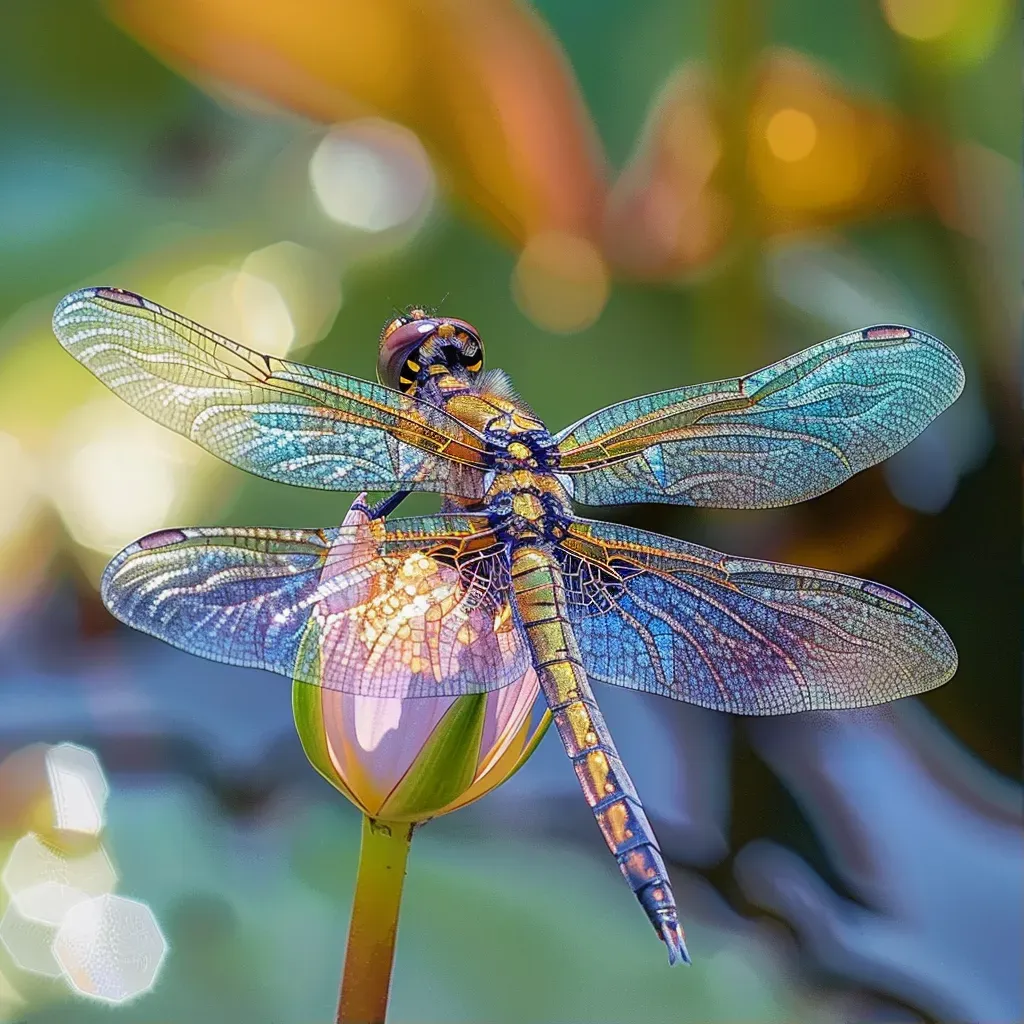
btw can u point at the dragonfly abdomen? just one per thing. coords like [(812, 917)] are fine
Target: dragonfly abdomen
[(607, 787)]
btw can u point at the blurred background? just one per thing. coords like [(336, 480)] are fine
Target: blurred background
[(622, 198)]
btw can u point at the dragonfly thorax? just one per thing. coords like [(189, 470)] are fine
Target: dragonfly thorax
[(527, 506), (529, 449)]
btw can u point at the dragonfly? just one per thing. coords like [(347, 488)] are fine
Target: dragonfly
[(507, 578)]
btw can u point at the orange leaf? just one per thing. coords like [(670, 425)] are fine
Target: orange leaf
[(817, 156), (482, 82)]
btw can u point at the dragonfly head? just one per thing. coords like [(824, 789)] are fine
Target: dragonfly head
[(417, 344)]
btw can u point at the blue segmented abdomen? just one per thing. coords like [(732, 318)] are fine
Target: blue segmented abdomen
[(607, 787)]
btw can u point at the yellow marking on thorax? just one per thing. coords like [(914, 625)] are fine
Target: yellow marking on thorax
[(522, 420), (528, 506), (527, 480), (481, 410), (471, 409)]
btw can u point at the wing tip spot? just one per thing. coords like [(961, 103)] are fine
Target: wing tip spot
[(886, 332), (161, 539), (126, 298), (74, 300)]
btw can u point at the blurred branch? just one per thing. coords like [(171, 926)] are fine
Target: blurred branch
[(734, 301)]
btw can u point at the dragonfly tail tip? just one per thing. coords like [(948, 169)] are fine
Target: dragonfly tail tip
[(672, 935)]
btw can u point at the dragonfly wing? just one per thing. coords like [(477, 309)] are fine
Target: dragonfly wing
[(417, 607), (282, 420), (742, 635), (788, 432)]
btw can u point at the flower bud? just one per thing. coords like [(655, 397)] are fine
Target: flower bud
[(410, 759)]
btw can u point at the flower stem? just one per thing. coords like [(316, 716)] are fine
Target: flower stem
[(371, 934)]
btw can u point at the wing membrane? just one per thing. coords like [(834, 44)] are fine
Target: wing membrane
[(783, 434), (742, 635), (282, 420), (418, 607)]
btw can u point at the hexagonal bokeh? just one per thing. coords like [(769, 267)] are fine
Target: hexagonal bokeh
[(45, 882), (29, 943), (78, 786), (110, 948)]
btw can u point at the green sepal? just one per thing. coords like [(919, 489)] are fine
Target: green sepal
[(531, 746), (446, 766), (308, 713)]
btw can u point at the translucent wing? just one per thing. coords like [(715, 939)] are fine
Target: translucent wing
[(282, 420), (786, 433), (741, 635), (419, 607)]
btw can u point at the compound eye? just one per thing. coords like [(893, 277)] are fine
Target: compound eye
[(392, 325), (472, 357), (399, 346), (471, 353)]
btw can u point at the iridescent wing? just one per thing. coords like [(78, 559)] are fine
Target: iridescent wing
[(741, 635), (418, 607), (783, 434), (282, 420)]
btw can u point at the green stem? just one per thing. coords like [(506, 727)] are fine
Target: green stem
[(371, 934)]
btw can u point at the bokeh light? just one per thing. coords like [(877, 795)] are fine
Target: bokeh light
[(110, 948), (811, 148), (372, 175), (26, 801), (240, 305), (273, 299), (78, 787), (922, 19), (61, 916), (956, 32), (308, 282), (117, 475), (561, 282), (29, 942), (45, 881), (791, 134)]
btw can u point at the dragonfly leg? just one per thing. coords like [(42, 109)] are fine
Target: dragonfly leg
[(606, 785), (387, 506)]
